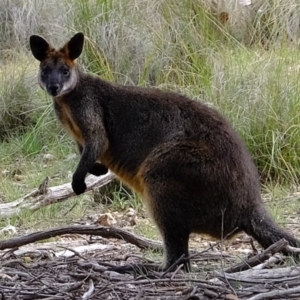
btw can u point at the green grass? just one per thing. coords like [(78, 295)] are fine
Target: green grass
[(246, 67)]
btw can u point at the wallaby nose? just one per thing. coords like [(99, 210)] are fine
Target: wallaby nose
[(53, 89)]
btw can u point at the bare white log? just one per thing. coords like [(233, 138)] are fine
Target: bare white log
[(276, 258), (265, 275), (292, 249), (45, 196), (277, 294), (259, 258), (61, 249)]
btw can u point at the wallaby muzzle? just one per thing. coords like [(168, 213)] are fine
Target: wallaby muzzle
[(53, 82), (53, 89)]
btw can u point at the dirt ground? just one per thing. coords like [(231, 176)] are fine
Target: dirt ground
[(78, 267)]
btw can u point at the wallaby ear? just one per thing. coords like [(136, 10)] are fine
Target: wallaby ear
[(75, 45), (39, 47)]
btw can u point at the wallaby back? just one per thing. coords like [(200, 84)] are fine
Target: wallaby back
[(189, 166)]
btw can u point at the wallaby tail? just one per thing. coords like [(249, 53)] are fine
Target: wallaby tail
[(265, 231)]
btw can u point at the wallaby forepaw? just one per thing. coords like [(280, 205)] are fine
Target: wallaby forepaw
[(98, 169), (78, 187)]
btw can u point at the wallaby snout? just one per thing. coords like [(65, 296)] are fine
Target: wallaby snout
[(53, 89)]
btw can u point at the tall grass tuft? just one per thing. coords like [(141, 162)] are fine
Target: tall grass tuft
[(275, 23), (262, 104), (15, 100)]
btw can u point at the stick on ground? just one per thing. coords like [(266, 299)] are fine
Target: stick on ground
[(107, 232)]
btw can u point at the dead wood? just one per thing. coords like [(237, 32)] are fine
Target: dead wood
[(284, 293), (86, 275), (289, 276), (106, 232), (44, 195), (271, 283), (259, 258), (70, 278), (291, 249), (274, 283)]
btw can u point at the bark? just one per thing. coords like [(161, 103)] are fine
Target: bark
[(106, 232), (259, 258), (44, 195)]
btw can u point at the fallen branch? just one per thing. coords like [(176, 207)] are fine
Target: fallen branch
[(106, 232), (278, 294), (259, 258), (44, 196), (61, 248), (250, 277), (291, 249)]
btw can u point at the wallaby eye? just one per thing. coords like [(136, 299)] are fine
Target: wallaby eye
[(66, 73), (44, 73)]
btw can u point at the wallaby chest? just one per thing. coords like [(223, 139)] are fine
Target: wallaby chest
[(64, 114)]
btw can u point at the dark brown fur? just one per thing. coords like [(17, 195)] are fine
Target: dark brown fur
[(190, 167)]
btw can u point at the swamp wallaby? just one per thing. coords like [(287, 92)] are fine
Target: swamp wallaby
[(184, 159)]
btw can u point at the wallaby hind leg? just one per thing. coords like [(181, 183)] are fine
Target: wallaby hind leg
[(176, 246), (173, 226), (176, 180), (175, 238), (163, 206)]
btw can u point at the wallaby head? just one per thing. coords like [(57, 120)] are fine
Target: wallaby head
[(58, 74)]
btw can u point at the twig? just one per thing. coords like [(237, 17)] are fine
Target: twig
[(182, 257), (90, 291), (259, 258)]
